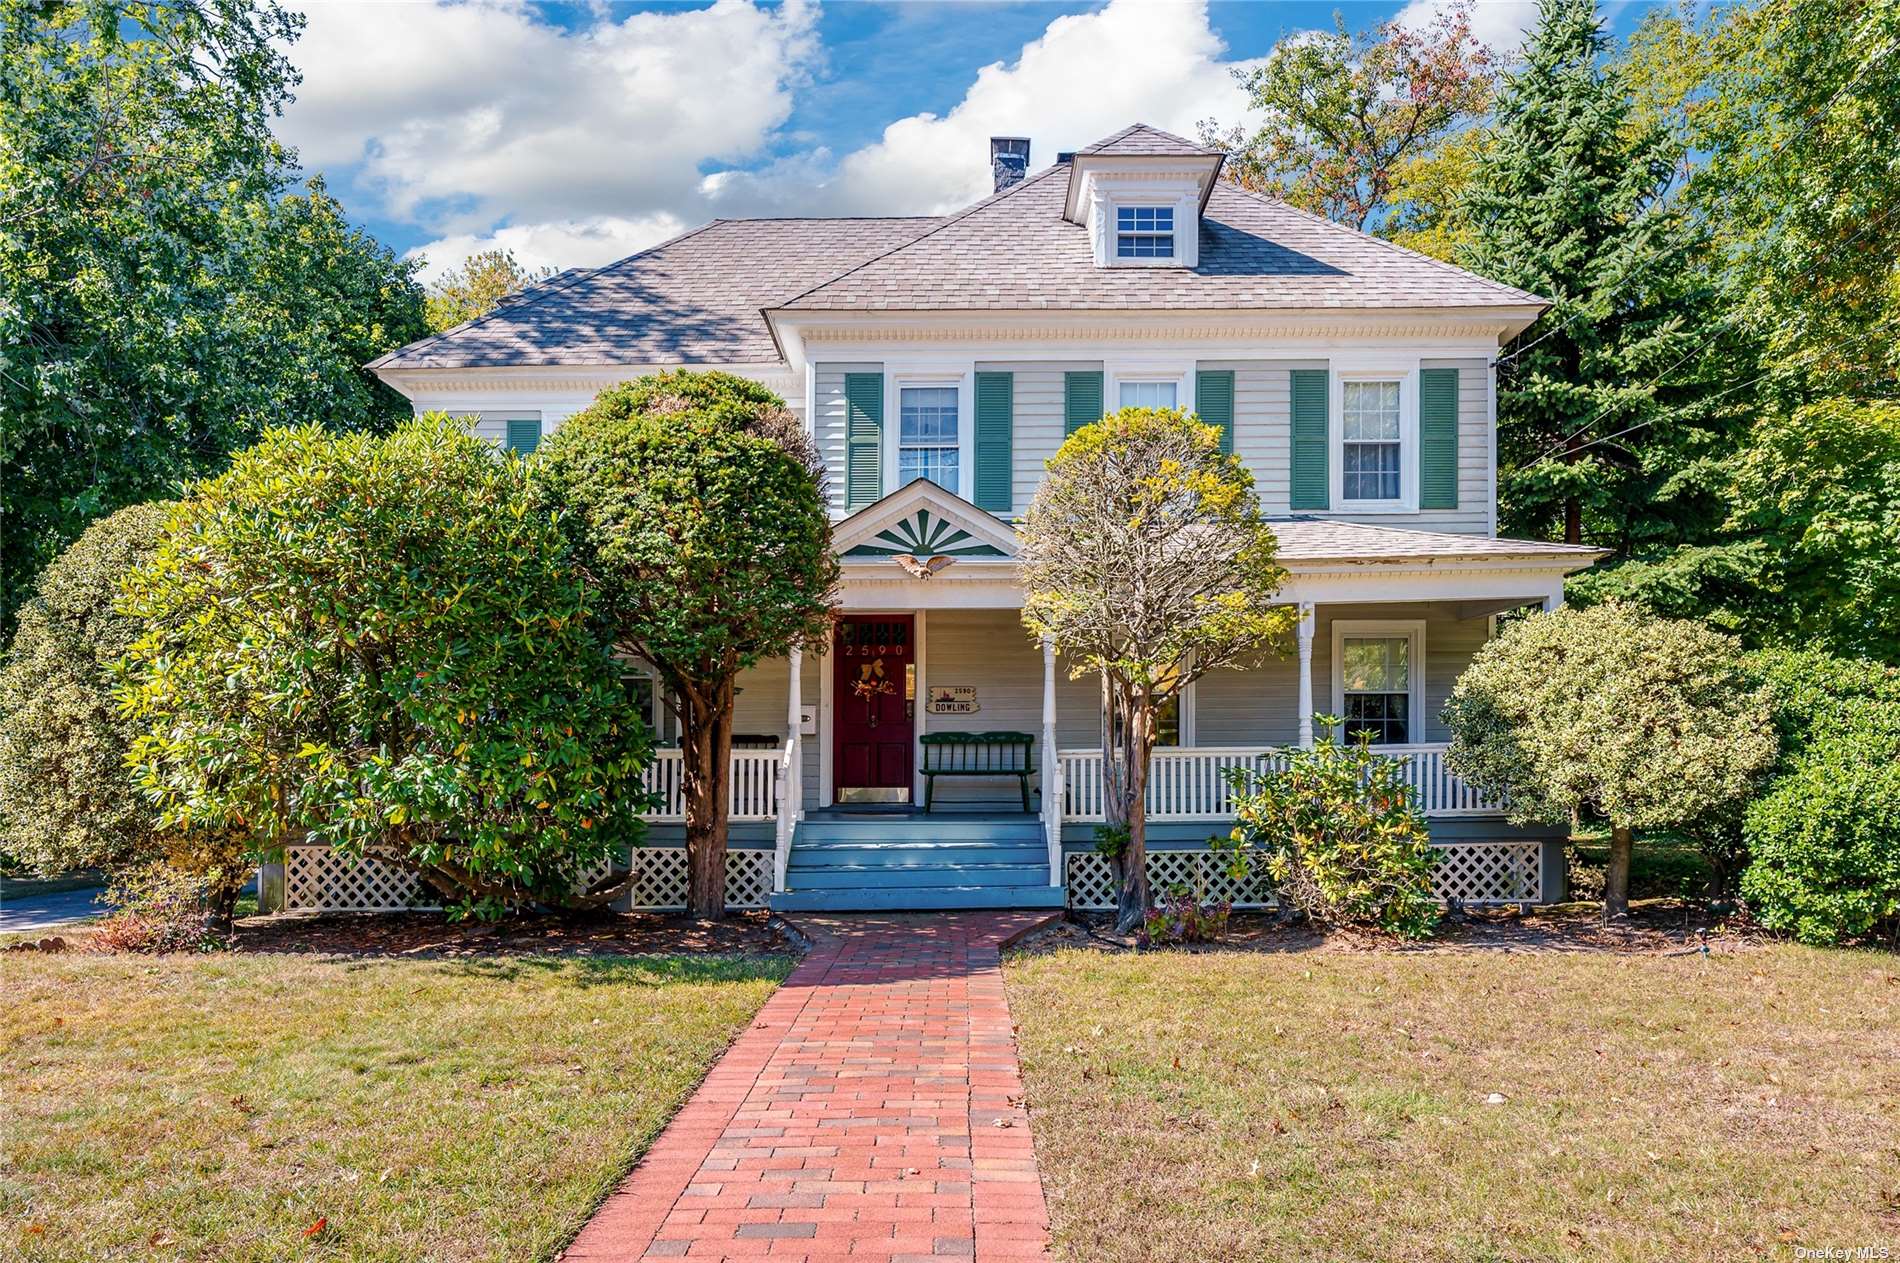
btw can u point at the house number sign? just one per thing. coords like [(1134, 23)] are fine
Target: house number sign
[(953, 699)]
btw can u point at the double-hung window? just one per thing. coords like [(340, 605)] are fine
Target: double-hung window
[(1144, 232), (1147, 394), (927, 435), (1371, 441), (1378, 681)]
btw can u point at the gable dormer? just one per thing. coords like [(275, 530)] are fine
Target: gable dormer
[(1140, 194)]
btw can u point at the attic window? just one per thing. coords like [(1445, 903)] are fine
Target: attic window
[(1144, 232)]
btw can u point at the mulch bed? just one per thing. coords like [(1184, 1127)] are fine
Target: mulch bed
[(1656, 927), (592, 934)]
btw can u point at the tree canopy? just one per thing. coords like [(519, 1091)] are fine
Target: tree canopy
[(695, 505), (1146, 560), (161, 300), (477, 286)]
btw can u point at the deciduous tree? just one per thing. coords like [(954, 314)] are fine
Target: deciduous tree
[(1608, 713), (696, 508), (1146, 560), (478, 286)]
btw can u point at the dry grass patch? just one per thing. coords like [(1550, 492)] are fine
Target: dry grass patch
[(220, 1107), (1328, 1104)]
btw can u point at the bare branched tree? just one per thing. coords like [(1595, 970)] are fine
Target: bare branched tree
[(1146, 561)]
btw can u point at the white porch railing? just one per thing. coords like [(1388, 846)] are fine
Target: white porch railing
[(753, 785), (1191, 783)]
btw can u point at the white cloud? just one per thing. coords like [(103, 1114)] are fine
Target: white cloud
[(488, 126), (1500, 25), (1087, 76)]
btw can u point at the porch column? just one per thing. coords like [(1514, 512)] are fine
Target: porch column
[(791, 783), (1306, 674), (1554, 599), (1051, 765)]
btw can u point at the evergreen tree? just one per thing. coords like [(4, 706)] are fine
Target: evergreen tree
[(1606, 426)]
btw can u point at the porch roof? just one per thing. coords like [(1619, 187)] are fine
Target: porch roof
[(1306, 538)]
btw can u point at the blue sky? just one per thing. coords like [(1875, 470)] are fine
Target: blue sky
[(574, 134)]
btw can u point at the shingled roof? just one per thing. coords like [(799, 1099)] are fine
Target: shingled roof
[(703, 297), (1329, 539), (695, 299), (1017, 252)]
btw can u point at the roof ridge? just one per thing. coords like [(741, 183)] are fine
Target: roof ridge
[(1270, 200), (540, 292), (947, 221), (1099, 146)]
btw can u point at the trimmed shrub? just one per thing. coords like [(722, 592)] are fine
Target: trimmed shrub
[(1824, 841), (67, 800), (377, 643), (1340, 832)]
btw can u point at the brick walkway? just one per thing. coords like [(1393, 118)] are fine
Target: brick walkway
[(872, 1111)]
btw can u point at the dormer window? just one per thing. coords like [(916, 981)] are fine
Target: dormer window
[(1144, 232)]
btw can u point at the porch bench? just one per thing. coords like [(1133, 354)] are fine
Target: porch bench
[(997, 755)]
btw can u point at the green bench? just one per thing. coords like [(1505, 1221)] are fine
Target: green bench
[(997, 755)]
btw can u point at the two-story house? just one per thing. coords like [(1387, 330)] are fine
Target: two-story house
[(939, 362)]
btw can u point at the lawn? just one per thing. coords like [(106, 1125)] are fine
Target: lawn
[(220, 1107), (1332, 1104)]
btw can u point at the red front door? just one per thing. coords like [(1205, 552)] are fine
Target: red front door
[(876, 692)]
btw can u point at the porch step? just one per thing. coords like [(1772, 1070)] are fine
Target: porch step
[(906, 854), (917, 898), (920, 829), (847, 876)]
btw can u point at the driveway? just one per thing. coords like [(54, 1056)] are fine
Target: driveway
[(45, 912)]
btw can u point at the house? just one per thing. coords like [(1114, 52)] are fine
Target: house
[(939, 362)]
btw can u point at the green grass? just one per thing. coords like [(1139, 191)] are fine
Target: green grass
[(1332, 1104), (216, 1107)]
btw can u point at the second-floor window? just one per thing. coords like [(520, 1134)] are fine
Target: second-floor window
[(1370, 461), (1144, 232), (927, 435), (1146, 395)]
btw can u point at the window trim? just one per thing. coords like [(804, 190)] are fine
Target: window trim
[(1173, 233), (1142, 372), (963, 380), (1406, 377), (1413, 629), (1107, 218)]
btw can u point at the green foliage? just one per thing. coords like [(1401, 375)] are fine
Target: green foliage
[(1824, 841), (1607, 712), (1339, 830), (159, 304), (1345, 114), (159, 908), (695, 504), (1608, 420), (67, 800), (477, 287), (377, 643)]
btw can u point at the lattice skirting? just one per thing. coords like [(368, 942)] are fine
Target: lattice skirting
[(317, 879), (1470, 872)]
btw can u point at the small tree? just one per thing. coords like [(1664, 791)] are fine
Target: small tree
[(695, 504), (377, 644), (1145, 559), (67, 799), (477, 287), (1648, 723)]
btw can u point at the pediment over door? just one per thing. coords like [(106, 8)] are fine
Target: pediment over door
[(924, 522)]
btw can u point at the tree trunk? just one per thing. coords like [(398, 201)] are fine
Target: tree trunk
[(1616, 882), (1132, 753), (706, 759), (1573, 507)]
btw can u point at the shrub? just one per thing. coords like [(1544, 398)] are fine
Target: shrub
[(377, 644), (67, 800), (1824, 841), (1340, 832), (1181, 917), (162, 908), (1648, 723)]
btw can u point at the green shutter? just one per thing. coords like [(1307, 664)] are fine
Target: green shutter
[(1310, 485), (1081, 400), (863, 439), (995, 416), (1214, 402), (1438, 438), (524, 435)]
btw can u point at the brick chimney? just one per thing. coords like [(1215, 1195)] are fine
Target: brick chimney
[(1009, 160)]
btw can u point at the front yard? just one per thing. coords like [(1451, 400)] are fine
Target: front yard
[(261, 1106), (1338, 1104)]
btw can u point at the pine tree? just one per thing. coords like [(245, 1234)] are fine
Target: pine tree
[(1605, 426)]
